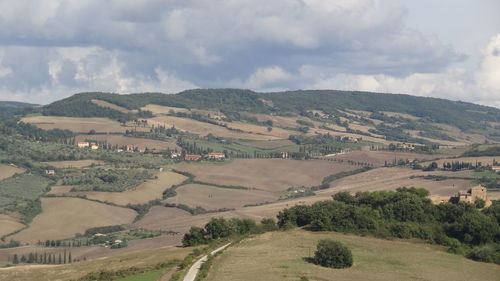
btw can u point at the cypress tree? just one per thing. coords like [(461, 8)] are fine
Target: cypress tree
[(15, 259), (69, 257)]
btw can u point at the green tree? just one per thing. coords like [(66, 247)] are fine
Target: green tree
[(333, 254), (196, 236)]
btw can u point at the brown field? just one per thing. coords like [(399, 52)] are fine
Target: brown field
[(9, 225), (61, 190), (280, 256), (64, 217), (119, 259), (74, 164), (160, 109), (401, 115), (121, 140), (145, 192), (7, 171), (102, 103), (266, 174), (269, 144), (261, 130), (378, 158), (392, 178), (213, 198), (377, 179), (281, 121), (203, 129), (78, 125)]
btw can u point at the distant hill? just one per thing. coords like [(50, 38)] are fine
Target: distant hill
[(473, 118), (11, 106)]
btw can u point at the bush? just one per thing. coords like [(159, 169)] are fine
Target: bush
[(333, 254)]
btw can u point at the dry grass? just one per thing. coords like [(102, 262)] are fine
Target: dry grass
[(401, 115), (9, 225), (7, 171), (74, 164), (102, 103), (64, 217), (203, 129), (379, 158), (160, 109), (145, 192), (119, 260), (281, 256), (78, 125), (266, 174), (121, 140), (213, 198)]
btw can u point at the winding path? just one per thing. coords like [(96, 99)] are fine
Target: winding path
[(193, 270)]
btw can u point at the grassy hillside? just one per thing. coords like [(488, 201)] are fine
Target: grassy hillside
[(282, 256), (12, 106)]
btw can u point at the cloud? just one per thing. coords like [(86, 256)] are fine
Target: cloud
[(53, 48), (482, 86)]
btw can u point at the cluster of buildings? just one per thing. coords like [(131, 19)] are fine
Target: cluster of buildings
[(86, 144), (465, 196), (198, 157)]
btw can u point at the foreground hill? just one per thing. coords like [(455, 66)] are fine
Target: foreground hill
[(397, 117), (283, 256)]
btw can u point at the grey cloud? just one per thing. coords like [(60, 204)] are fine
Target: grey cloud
[(206, 43)]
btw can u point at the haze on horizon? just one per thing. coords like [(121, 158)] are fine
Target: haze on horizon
[(51, 49)]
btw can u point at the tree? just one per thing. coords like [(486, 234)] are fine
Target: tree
[(196, 236), (333, 254), (15, 259), (218, 228)]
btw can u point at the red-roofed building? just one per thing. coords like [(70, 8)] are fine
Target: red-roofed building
[(216, 155), (192, 157)]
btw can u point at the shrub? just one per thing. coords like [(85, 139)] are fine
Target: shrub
[(333, 254)]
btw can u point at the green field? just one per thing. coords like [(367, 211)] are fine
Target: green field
[(282, 256), (23, 187), (150, 276)]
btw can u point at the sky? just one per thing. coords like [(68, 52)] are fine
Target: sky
[(51, 49)]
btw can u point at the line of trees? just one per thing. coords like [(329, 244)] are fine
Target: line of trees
[(44, 258)]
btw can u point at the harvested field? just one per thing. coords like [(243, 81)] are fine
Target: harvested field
[(261, 130), (160, 109), (79, 125), (121, 140), (102, 103), (203, 129), (392, 178), (281, 256), (9, 225), (147, 191), (119, 259), (64, 217), (379, 158), (267, 174), (269, 144), (74, 164), (214, 198), (7, 171)]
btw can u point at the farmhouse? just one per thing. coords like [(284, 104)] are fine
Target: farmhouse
[(216, 155), (50, 172), (175, 155), (284, 154), (496, 168), (192, 157), (130, 148), (471, 195), (94, 146), (83, 144)]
